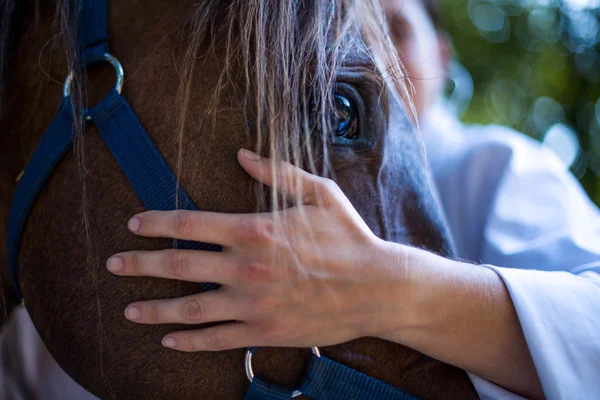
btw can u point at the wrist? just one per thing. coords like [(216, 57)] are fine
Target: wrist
[(397, 295), (463, 315), (422, 283)]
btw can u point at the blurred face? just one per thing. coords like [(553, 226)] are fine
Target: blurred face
[(420, 48)]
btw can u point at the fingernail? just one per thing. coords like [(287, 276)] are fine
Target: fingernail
[(169, 341), (114, 264), (133, 224), (250, 155), (132, 313)]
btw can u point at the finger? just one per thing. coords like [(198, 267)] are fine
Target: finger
[(199, 308), (228, 336), (184, 265), (291, 181), (200, 226)]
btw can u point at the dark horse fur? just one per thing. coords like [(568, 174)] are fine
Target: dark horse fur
[(79, 218)]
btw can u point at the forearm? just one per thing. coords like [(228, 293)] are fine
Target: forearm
[(462, 314)]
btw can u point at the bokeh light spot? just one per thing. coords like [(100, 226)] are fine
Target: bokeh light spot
[(563, 141)]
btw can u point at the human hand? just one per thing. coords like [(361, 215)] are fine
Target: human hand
[(309, 275)]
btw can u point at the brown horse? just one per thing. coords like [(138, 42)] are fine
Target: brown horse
[(207, 78)]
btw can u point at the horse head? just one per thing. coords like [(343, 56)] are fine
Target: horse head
[(312, 82)]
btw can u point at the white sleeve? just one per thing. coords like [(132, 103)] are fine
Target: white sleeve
[(560, 317), (542, 234)]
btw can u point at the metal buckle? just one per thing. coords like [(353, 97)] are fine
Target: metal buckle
[(250, 373), (112, 60)]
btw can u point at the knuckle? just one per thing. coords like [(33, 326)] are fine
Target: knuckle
[(188, 343), (267, 227), (193, 310), (264, 304), (272, 331), (176, 263), (254, 271), (152, 312), (135, 264), (258, 232), (329, 187), (184, 223), (214, 341)]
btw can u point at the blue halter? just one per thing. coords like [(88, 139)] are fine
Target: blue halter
[(158, 189)]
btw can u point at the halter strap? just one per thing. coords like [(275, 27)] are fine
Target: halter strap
[(129, 143), (262, 390), (326, 379), (143, 165), (53, 146), (93, 30)]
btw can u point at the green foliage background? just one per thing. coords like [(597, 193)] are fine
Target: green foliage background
[(519, 52)]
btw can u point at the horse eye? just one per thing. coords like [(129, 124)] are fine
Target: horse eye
[(345, 118)]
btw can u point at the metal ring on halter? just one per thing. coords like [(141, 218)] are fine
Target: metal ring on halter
[(116, 65), (250, 373)]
